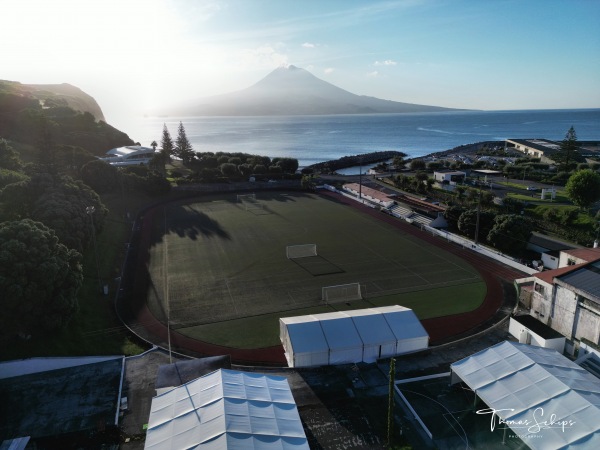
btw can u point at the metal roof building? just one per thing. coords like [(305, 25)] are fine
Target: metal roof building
[(227, 409), (546, 399)]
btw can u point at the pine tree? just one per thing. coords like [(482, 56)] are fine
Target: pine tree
[(183, 148), (166, 142), (568, 152)]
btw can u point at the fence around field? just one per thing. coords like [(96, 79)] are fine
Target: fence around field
[(450, 237)]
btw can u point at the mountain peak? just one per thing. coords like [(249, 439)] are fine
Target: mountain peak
[(291, 90)]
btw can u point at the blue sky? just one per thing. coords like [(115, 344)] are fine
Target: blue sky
[(134, 56)]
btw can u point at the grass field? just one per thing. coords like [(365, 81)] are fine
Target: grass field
[(229, 280)]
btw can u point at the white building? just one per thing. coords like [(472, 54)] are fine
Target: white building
[(449, 176), (568, 301), (131, 155), (363, 335)]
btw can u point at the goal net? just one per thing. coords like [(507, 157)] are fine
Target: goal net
[(341, 293), (246, 197), (301, 251)]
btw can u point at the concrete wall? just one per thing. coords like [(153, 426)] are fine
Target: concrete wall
[(565, 306), (588, 325)]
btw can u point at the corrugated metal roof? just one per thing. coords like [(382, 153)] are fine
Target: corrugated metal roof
[(586, 279)]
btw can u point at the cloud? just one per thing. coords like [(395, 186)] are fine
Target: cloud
[(373, 74), (328, 70), (265, 56), (308, 45), (387, 62)]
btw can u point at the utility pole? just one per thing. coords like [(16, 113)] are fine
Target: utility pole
[(391, 402), (477, 222), (360, 181)]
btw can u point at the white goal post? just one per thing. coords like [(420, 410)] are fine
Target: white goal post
[(301, 251), (341, 293)]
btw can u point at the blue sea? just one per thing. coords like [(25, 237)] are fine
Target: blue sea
[(313, 139)]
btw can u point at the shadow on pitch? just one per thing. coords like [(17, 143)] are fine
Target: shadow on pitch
[(318, 266), (192, 223)]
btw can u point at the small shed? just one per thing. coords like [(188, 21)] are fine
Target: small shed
[(528, 330), (303, 341), (378, 339)]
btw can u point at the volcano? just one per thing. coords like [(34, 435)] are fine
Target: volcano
[(294, 91)]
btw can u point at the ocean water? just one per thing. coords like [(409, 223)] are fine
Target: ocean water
[(313, 139)]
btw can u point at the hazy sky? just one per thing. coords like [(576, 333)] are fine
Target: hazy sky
[(134, 56)]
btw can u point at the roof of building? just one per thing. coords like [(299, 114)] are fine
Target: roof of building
[(365, 190), (66, 400), (548, 276), (549, 243), (129, 150), (585, 279), (526, 384), (227, 409), (538, 327), (544, 145), (587, 254)]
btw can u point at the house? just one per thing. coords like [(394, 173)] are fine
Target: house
[(449, 176), (568, 300), (131, 155), (548, 248)]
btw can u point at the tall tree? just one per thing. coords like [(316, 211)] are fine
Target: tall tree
[(9, 158), (183, 148), (583, 188), (510, 233), (39, 279), (568, 152), (166, 142)]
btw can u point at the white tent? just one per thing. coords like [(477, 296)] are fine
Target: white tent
[(351, 336), (345, 345), (406, 326), (309, 346), (529, 385), (227, 410), (377, 337)]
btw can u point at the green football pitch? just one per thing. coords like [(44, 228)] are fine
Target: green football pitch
[(219, 271)]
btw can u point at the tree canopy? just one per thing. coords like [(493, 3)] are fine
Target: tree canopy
[(583, 188), (510, 233), (39, 279), (58, 202)]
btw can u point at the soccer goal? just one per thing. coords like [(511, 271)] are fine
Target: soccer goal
[(301, 251), (341, 293)]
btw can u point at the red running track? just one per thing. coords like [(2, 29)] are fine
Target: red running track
[(440, 329)]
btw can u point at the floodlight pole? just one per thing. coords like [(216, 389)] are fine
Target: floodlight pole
[(166, 288), (90, 212), (360, 181)]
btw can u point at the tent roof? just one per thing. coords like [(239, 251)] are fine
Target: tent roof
[(516, 380), (339, 330), (403, 322), (306, 336), (371, 326), (227, 409)]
